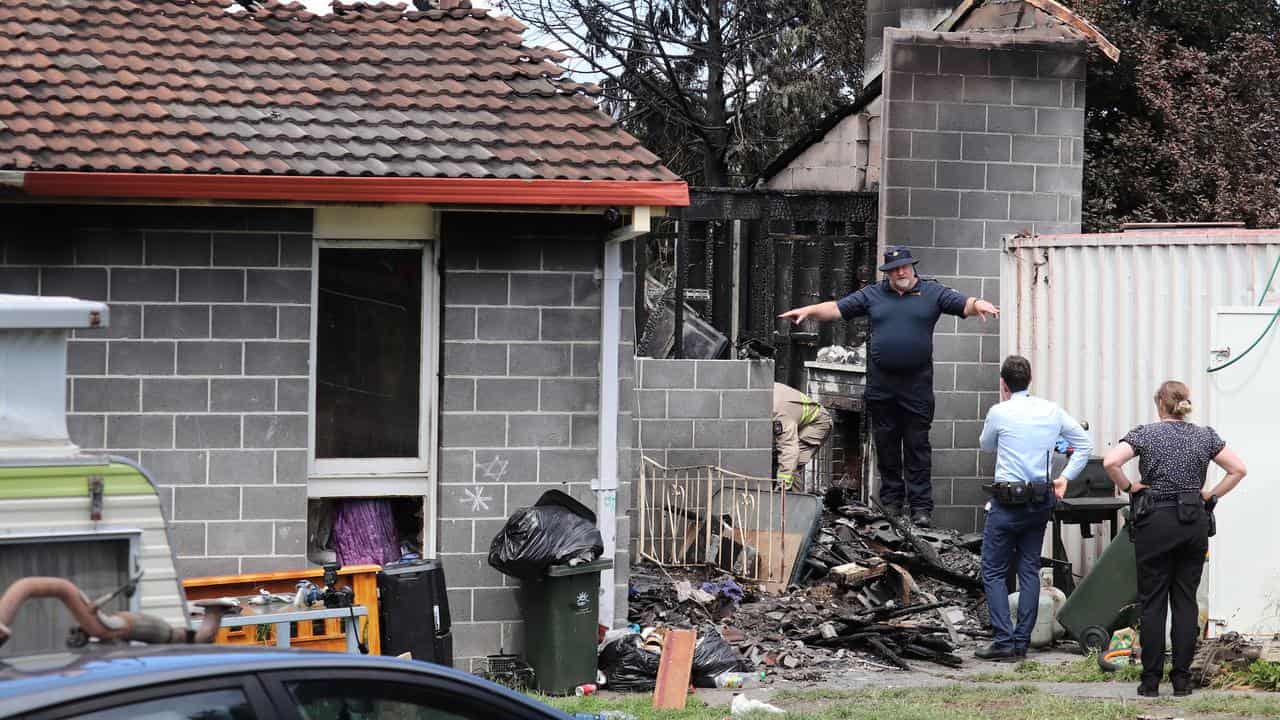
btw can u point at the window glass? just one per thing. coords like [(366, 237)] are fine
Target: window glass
[(368, 700), (230, 704), (368, 353)]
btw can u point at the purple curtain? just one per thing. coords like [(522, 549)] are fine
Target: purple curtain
[(364, 533)]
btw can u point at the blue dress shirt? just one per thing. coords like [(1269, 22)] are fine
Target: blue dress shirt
[(1025, 429)]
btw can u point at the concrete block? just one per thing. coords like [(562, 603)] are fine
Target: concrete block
[(719, 434), (944, 376), (187, 538), (760, 373), (504, 394), (664, 434), (571, 466), (475, 288), (898, 144), (538, 430), (965, 61), (291, 467), (241, 467), (205, 502), (960, 519), (295, 250), (126, 323), (242, 395), (180, 467), (140, 358), (275, 431), (1014, 63), (968, 491), (454, 536), (986, 147), (988, 90), (570, 324), (986, 465), (586, 359), (575, 253), (246, 321), (199, 285), (956, 348), (151, 432), (935, 261), (654, 374), (83, 283), (1028, 206), (507, 323), (177, 248), (459, 323), (277, 358), (476, 640), (941, 436), (1042, 93), (968, 433), (1002, 119), (760, 433), (693, 403), (542, 289), (175, 321), (506, 465), (207, 566), (897, 202), (935, 203), (240, 537), (272, 563), (752, 463), (1060, 122), (586, 432), (89, 432), (914, 58), (473, 430), (86, 358), (967, 286), (726, 374), (570, 395), (460, 609), (210, 358), (904, 115), (496, 604), (175, 395), (935, 146), (1017, 178), (956, 406), (1059, 179), (293, 395), (1062, 65), (909, 173), (961, 175), (207, 431), (294, 323), (109, 247), (955, 463), (898, 85), (984, 205), (991, 351), (278, 286), (1031, 149), (457, 466), (28, 248), (277, 502), (20, 281), (966, 117), (459, 394), (472, 358), (246, 249), (937, 88), (651, 404), (586, 290), (978, 378), (105, 394), (145, 285)]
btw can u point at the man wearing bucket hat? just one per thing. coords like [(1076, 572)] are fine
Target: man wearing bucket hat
[(904, 309)]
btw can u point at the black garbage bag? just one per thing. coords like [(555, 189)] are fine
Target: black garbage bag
[(712, 655), (627, 666), (554, 531)]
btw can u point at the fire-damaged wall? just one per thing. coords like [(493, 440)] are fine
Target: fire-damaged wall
[(984, 137)]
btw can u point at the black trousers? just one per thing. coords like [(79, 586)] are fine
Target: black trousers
[(1170, 560), (903, 454)]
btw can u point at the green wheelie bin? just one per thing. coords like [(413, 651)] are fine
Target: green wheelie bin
[(1106, 598), (561, 615)]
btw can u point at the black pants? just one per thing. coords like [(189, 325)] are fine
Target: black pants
[(1170, 560), (903, 455)]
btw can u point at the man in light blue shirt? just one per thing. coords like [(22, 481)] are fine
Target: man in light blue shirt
[(1023, 431)]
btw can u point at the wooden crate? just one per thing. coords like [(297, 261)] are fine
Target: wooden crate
[(315, 635)]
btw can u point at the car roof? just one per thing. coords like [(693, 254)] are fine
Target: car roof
[(33, 682)]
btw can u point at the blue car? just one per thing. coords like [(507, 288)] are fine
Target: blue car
[(204, 682)]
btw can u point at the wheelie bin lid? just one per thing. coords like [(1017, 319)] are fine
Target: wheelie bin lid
[(591, 567)]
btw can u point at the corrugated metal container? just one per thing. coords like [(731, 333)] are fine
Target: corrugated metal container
[(1105, 318)]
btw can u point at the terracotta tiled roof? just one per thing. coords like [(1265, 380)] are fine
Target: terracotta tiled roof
[(204, 87)]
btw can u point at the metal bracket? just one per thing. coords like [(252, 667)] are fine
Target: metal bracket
[(95, 497)]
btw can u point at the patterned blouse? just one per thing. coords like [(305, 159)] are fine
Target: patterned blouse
[(1174, 456)]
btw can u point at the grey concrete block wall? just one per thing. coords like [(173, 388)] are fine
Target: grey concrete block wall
[(881, 14), (706, 412), (206, 356), (520, 365), (983, 139)]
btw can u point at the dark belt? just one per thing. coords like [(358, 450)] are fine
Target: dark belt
[(1162, 503), (1007, 493)]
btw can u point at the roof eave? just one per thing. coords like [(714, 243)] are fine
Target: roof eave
[(334, 189)]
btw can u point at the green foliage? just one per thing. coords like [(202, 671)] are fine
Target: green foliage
[(1082, 670), (1264, 675)]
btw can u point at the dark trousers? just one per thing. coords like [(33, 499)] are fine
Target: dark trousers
[(1170, 561), (1013, 529), (903, 455)]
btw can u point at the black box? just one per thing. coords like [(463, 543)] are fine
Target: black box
[(414, 608)]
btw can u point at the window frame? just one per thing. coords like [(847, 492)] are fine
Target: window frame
[(259, 699), (366, 468)]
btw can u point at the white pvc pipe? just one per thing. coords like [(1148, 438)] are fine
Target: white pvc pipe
[(606, 484)]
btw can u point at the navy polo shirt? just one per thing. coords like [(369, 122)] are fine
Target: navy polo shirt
[(901, 348)]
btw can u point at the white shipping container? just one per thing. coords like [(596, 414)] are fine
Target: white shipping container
[(1105, 318)]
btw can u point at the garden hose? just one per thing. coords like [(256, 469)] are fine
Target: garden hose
[(1274, 316)]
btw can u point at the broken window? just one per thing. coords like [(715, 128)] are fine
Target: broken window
[(369, 360)]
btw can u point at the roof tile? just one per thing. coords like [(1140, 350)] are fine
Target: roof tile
[(203, 86)]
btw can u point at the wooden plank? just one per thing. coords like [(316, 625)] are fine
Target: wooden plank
[(674, 670), (1080, 25)]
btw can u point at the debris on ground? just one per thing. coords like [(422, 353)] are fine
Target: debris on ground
[(875, 591), (1226, 660)]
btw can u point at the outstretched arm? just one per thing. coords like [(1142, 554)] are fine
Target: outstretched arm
[(981, 308), (822, 311)]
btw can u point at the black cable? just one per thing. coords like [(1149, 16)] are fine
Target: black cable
[(360, 644)]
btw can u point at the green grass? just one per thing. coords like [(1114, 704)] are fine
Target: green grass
[(1084, 669)]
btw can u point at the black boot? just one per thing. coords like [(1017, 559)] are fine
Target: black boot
[(999, 654), (921, 519)]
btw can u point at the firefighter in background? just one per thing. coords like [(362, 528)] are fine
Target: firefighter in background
[(800, 426)]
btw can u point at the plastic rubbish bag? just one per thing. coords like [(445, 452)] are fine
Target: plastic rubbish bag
[(713, 656), (557, 530), (627, 666)]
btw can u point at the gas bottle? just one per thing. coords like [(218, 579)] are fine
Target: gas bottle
[(1047, 629)]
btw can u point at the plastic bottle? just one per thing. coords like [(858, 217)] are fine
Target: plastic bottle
[(734, 680), (1047, 628)]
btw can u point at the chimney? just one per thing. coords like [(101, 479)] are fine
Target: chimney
[(33, 372), (907, 14)]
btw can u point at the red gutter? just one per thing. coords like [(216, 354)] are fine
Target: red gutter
[(301, 188)]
